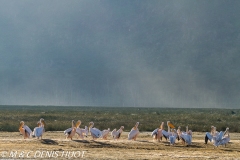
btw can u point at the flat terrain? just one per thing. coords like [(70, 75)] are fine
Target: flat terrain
[(54, 145), (59, 118)]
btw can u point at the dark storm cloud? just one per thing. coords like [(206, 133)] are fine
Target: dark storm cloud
[(120, 53)]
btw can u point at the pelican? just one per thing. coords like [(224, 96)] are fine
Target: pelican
[(105, 133), (221, 138), (166, 133), (178, 133), (209, 135), (96, 133), (187, 136), (38, 125), (39, 130), (117, 133), (24, 130), (134, 132), (157, 133), (172, 136), (81, 132), (70, 132)]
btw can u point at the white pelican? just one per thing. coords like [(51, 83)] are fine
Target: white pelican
[(178, 133), (187, 136), (172, 136), (25, 130), (221, 138), (166, 134), (81, 132), (96, 133), (157, 133), (134, 132), (105, 133), (209, 135), (70, 132), (117, 133), (39, 130)]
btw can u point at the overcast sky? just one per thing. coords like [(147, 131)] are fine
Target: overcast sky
[(156, 53)]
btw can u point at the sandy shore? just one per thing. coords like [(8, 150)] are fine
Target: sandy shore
[(55, 146)]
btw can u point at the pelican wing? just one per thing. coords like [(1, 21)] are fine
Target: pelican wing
[(38, 131), (165, 133), (172, 139), (224, 141), (96, 132), (187, 138), (208, 137), (78, 131), (68, 131), (29, 131), (219, 136), (132, 134), (119, 134), (155, 132)]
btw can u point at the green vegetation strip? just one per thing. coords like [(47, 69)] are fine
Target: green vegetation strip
[(58, 118)]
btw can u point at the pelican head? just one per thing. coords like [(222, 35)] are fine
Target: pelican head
[(42, 122), (78, 123), (136, 125), (21, 124), (91, 124), (122, 127), (173, 130), (227, 131), (169, 124), (38, 123)]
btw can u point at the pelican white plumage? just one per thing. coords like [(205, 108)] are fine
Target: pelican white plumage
[(105, 133), (134, 132), (178, 133), (96, 133), (157, 133), (39, 130), (166, 133), (24, 130), (82, 132), (221, 138), (172, 136), (70, 132), (209, 135), (187, 136), (117, 133)]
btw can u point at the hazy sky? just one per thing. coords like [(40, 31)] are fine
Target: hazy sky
[(156, 53)]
